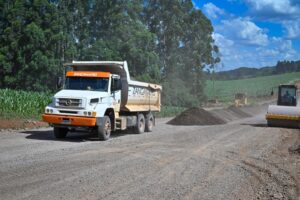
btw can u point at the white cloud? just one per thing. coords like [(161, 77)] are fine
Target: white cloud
[(221, 41), (284, 46), (224, 44), (284, 12), (292, 29), (244, 31), (279, 6), (268, 52), (235, 54), (275, 9), (212, 10), (242, 43)]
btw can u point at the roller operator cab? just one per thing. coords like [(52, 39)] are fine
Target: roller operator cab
[(287, 111), (100, 96)]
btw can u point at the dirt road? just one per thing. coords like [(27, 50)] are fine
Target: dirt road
[(239, 160)]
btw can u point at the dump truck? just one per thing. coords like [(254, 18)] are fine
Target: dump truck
[(287, 111), (100, 96)]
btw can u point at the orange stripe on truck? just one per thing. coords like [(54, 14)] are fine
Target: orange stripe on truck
[(88, 74), (283, 117), (69, 120)]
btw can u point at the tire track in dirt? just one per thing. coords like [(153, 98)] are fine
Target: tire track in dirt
[(283, 187), (270, 179)]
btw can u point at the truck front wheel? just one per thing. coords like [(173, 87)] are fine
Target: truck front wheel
[(104, 129), (140, 126), (149, 122), (60, 133)]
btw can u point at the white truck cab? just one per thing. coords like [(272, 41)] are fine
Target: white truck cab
[(100, 96)]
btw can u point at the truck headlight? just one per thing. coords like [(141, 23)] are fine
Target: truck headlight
[(90, 113), (95, 100)]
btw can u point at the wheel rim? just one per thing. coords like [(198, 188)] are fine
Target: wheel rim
[(141, 124), (107, 128), (150, 123)]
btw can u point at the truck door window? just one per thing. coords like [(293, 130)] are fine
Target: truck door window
[(116, 84)]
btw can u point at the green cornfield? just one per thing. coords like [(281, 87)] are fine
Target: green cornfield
[(22, 104), (253, 87), (31, 105)]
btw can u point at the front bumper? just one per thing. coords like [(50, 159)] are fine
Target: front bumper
[(69, 120)]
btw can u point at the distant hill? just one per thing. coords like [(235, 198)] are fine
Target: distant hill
[(225, 90), (245, 72)]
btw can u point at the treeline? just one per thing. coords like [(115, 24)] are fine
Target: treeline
[(287, 66), (244, 72), (164, 41)]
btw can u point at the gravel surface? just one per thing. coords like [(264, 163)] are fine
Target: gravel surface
[(243, 159)]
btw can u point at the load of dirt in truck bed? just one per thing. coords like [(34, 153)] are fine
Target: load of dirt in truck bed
[(196, 116)]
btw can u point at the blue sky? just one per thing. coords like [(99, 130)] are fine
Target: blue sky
[(254, 33)]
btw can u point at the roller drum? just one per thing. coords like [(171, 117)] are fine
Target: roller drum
[(283, 116)]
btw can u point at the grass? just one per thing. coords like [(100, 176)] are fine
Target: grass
[(22, 104), (253, 87), (169, 111)]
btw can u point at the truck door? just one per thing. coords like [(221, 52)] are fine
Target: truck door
[(116, 87)]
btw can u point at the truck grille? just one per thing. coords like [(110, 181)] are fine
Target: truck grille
[(68, 112), (69, 103)]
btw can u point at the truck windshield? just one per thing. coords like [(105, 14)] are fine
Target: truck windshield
[(86, 83)]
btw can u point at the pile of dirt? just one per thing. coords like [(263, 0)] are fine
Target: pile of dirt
[(196, 116), (12, 123)]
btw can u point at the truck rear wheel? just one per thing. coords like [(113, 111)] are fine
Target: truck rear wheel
[(105, 129), (60, 133), (149, 122), (140, 126)]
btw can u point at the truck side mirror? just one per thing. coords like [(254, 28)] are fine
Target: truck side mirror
[(116, 85), (59, 83)]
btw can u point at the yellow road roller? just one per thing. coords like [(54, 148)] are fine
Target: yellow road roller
[(287, 111)]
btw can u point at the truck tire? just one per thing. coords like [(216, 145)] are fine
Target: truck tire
[(140, 126), (60, 133), (149, 122), (105, 129)]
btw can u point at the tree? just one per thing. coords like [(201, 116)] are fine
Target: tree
[(119, 34), (184, 45), (27, 52)]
